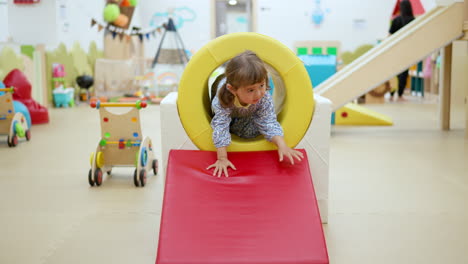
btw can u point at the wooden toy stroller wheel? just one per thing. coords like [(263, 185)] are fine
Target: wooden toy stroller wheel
[(98, 177), (144, 156), (90, 178), (100, 159), (91, 158), (135, 178), (143, 178), (28, 134), (13, 141), (155, 167), (9, 141), (109, 172)]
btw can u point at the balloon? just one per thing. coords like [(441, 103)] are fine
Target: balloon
[(111, 12)]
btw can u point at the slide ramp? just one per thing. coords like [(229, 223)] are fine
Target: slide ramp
[(264, 212), (427, 33)]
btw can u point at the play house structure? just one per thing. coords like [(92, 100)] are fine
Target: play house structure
[(121, 144), (266, 211), (13, 124)]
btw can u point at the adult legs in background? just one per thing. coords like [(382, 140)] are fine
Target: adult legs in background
[(402, 79)]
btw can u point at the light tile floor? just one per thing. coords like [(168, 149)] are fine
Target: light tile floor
[(397, 194)]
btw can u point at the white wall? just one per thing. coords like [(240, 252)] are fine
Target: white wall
[(51, 22), (354, 23), (32, 24), (69, 21), (74, 22), (194, 16), (4, 32), (287, 21)]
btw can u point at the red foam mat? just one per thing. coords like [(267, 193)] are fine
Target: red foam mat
[(265, 212)]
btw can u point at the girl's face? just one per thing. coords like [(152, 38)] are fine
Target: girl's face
[(249, 94)]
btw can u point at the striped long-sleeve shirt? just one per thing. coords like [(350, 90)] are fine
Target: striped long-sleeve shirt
[(259, 118)]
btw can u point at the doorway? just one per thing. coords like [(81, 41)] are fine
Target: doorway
[(232, 16)]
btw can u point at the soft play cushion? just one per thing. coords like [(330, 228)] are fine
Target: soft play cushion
[(265, 212), (17, 79)]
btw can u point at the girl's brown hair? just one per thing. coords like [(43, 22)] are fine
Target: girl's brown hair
[(244, 69)]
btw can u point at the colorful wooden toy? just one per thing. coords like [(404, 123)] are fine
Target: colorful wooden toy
[(121, 144), (13, 124)]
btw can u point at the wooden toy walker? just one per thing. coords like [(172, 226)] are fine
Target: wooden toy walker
[(121, 144), (13, 124)]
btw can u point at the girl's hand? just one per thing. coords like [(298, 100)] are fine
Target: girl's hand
[(291, 154), (285, 151), (220, 166)]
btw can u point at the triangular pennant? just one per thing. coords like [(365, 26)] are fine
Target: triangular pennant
[(100, 27), (93, 22), (128, 38), (114, 34), (140, 36), (147, 36), (153, 33), (121, 35), (135, 30)]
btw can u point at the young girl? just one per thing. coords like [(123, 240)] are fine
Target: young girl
[(243, 107)]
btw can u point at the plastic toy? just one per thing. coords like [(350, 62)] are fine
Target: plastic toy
[(13, 124), (121, 144), (58, 70), (63, 97), (84, 82), (16, 78)]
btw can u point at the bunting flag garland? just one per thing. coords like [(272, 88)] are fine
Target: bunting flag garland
[(122, 33)]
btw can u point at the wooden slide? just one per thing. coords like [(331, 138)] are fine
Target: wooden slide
[(427, 33)]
